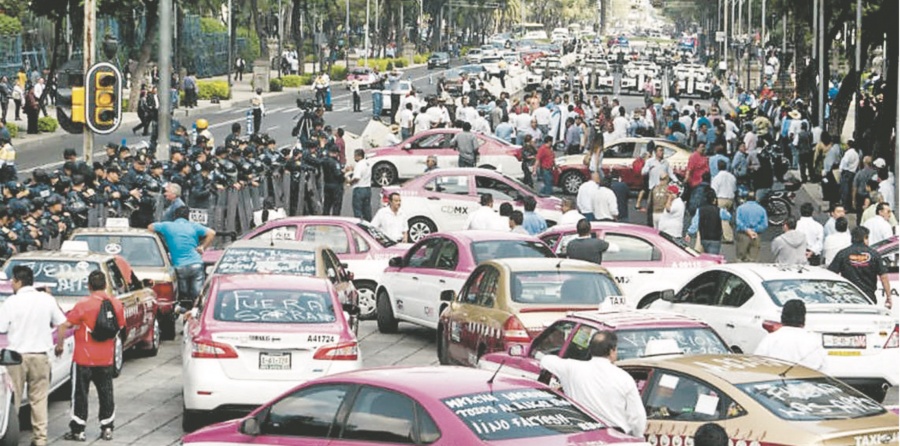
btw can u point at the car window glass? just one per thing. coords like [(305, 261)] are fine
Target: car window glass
[(277, 233), (361, 244), (631, 249), (621, 150), (428, 430), (701, 290), (500, 190), (381, 415), (487, 289), (455, 185), (309, 412), (423, 255), (640, 377), (118, 281), (137, 250), (564, 244), (432, 141), (677, 397), (550, 240), (448, 256), (469, 293), (550, 342), (735, 292), (579, 347), (332, 236)]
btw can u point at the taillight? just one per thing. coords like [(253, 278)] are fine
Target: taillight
[(344, 351), (894, 339), (771, 326), (518, 154), (205, 348), (514, 331), (165, 291)]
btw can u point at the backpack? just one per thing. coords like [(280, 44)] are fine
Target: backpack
[(107, 324)]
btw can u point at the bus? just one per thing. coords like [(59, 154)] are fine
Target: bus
[(530, 31)]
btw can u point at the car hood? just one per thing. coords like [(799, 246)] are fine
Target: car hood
[(386, 151), (220, 433)]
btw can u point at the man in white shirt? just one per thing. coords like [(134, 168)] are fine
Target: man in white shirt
[(837, 211), (725, 184), (848, 166), (791, 342), (584, 198), (26, 318), (570, 214), (391, 221), (620, 124), (672, 220), (484, 218), (599, 385), (481, 124), (361, 186), (814, 232), (422, 122), (604, 204), (836, 241), (542, 115), (656, 166), (879, 226), (405, 119)]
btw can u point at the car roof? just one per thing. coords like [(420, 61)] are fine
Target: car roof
[(772, 271), (316, 219), (419, 381), (605, 226), (528, 264), (620, 319), (462, 171), (481, 236), (262, 243), (735, 369), (112, 231), (62, 255), (270, 282)]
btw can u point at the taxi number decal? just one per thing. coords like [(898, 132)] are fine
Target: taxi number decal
[(320, 338)]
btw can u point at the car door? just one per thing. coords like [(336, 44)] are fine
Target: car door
[(134, 311), (698, 299), (463, 311), (410, 282), (742, 320), (303, 418), (636, 261), (442, 276), (411, 163), (338, 277), (450, 198), (381, 416), (619, 157), (489, 316), (502, 191)]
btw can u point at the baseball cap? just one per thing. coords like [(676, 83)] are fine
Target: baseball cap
[(674, 189), (879, 163)]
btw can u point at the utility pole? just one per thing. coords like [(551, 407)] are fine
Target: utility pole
[(89, 51), (815, 41), (725, 52), (280, 36), (857, 60), (164, 114), (366, 56), (821, 57), (230, 39), (347, 43)]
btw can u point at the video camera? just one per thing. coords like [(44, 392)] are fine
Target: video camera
[(306, 104)]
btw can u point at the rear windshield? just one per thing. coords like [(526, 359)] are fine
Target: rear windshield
[(64, 277), (692, 341), (812, 291), (507, 249), (520, 413), (811, 399), (267, 260), (274, 306), (562, 287), (376, 233), (138, 250)]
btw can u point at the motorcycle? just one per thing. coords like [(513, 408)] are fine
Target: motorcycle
[(778, 200)]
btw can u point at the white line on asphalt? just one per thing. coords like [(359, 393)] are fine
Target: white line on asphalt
[(271, 128)]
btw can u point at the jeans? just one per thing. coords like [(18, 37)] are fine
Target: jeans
[(795, 157), (362, 203), (82, 377), (547, 180), (711, 246), (190, 280)]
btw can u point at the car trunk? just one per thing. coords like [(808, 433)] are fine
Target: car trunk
[(878, 429), (860, 328), (275, 355)]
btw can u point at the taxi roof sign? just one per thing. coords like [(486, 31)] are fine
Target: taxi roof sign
[(613, 303), (75, 246), (117, 223)]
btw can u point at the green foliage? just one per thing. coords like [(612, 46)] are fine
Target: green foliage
[(209, 89), (210, 25), (13, 129), (251, 51), (9, 26), (13, 8), (389, 64), (309, 58), (338, 72), (296, 81), (46, 124), (275, 84), (421, 58)]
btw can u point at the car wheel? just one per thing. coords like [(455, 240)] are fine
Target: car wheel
[(151, 348), (166, 326), (778, 211), (385, 317), (571, 181), (384, 174), (118, 357), (366, 292), (442, 347), (11, 436), (420, 227), (192, 420)]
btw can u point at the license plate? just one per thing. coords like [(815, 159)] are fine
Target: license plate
[(844, 353), (274, 361), (200, 216), (844, 341)]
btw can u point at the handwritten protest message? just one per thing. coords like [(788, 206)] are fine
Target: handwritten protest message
[(808, 400), (267, 260), (274, 306), (66, 278)]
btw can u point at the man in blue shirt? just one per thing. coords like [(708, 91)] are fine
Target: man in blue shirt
[(533, 223), (751, 220), (505, 130), (186, 241)]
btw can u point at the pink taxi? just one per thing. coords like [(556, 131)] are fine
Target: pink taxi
[(361, 246), (256, 336), (407, 159), (641, 258), (399, 406), (570, 337), (441, 200)]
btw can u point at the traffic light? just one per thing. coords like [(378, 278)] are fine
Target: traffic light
[(103, 101), (78, 104)]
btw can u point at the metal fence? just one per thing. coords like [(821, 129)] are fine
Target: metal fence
[(206, 54)]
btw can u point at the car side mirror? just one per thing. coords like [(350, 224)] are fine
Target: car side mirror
[(148, 283), (407, 146), (448, 296), (10, 357), (396, 262), (250, 426), (667, 295), (517, 350)]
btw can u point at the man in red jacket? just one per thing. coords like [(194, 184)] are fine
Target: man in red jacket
[(93, 359)]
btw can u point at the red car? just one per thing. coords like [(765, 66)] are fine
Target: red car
[(407, 159), (361, 246), (364, 77)]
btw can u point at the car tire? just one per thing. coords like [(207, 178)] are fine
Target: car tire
[(151, 348), (420, 227), (192, 420), (384, 174), (118, 356), (442, 347), (778, 211), (11, 436), (385, 317), (166, 326), (367, 302), (570, 182)]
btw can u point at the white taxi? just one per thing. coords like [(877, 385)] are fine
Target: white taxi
[(742, 302)]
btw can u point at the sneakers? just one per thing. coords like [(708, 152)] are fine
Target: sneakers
[(75, 436), (106, 434)]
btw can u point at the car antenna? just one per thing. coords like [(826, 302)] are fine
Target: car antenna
[(491, 381), (794, 364)]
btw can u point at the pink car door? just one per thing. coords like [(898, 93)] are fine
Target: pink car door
[(383, 416), (302, 418)]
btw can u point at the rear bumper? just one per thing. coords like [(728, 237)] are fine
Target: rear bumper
[(868, 371)]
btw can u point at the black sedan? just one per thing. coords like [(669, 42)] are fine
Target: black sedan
[(439, 60)]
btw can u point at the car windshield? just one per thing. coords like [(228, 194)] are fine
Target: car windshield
[(376, 233), (267, 260), (471, 68), (812, 399), (507, 249), (562, 287), (691, 341), (520, 413), (812, 291), (274, 306), (64, 277), (138, 250)]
